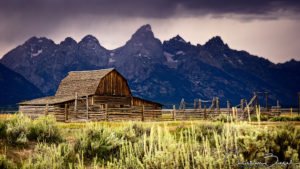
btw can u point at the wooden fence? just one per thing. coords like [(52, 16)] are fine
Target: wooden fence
[(103, 113)]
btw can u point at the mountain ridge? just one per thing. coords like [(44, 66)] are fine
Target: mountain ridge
[(15, 88), (211, 69)]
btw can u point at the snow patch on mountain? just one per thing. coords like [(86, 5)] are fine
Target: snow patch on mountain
[(37, 53), (169, 57), (180, 53), (111, 60)]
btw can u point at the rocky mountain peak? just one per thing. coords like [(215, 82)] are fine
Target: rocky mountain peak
[(178, 38), (216, 42), (89, 39), (38, 40), (90, 42), (68, 42), (143, 33)]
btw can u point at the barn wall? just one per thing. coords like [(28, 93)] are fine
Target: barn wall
[(32, 111), (147, 104), (113, 84), (112, 101), (35, 111)]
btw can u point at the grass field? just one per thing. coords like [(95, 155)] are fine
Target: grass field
[(44, 143)]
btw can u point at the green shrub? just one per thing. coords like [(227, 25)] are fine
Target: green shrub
[(282, 141), (297, 118), (208, 131), (45, 129), (223, 118), (280, 118), (97, 142), (3, 129), (262, 118), (6, 163), (287, 137), (133, 132), (53, 156), (17, 129)]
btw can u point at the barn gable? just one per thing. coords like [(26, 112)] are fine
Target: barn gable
[(113, 84)]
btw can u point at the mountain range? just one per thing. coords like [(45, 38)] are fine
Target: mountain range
[(162, 71), (14, 87)]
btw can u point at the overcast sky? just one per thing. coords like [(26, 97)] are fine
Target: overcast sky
[(268, 28)]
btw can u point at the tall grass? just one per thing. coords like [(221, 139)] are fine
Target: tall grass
[(19, 129), (45, 129), (214, 145), (51, 156), (217, 146), (6, 163)]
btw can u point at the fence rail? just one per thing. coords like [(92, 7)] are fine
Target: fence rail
[(103, 113)]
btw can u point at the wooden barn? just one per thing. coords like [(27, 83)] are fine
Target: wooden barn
[(89, 95)]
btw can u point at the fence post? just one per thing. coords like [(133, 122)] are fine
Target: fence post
[(242, 104), (143, 109), (66, 112), (75, 104), (87, 107), (204, 111), (46, 109), (266, 95), (174, 112), (278, 108), (218, 104), (106, 112), (298, 103), (200, 106), (228, 106), (233, 112)]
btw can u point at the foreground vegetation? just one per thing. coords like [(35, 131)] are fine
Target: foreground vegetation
[(44, 143)]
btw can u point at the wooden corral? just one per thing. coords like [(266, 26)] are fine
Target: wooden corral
[(89, 95)]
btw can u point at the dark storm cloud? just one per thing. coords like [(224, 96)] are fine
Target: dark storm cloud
[(21, 19), (143, 8)]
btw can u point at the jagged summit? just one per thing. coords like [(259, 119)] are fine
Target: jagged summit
[(91, 42), (144, 32), (178, 38), (89, 39), (145, 28), (293, 61), (216, 41), (35, 40), (68, 41)]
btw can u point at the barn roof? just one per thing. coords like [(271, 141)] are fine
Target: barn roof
[(82, 82), (48, 100)]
